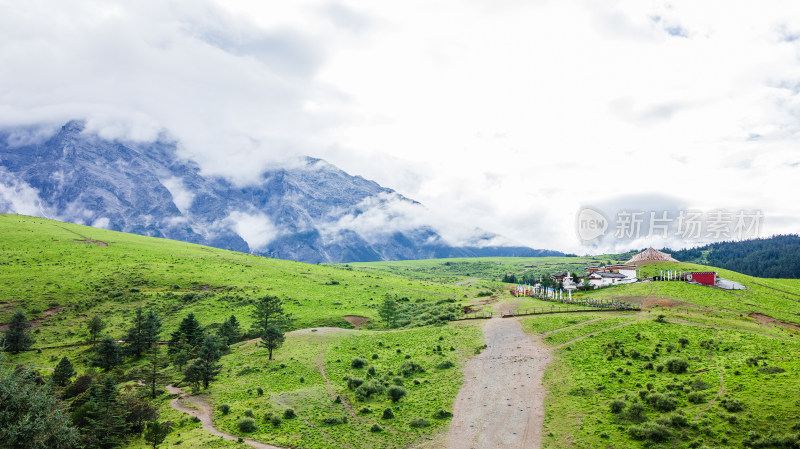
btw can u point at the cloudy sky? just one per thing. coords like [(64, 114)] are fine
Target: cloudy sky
[(507, 115)]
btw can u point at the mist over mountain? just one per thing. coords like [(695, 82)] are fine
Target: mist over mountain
[(309, 211)]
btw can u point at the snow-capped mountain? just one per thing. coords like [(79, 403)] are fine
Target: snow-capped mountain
[(311, 211)]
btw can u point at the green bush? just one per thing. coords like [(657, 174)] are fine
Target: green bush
[(358, 363), (249, 413), (370, 388), (419, 422), (663, 402), (376, 428), (333, 420), (407, 369), (275, 420), (246, 425), (650, 431), (445, 365), (635, 412), (365, 411), (387, 413), (696, 397), (396, 393), (732, 405), (289, 413), (617, 406), (354, 382), (224, 408), (677, 366), (442, 414), (770, 370)]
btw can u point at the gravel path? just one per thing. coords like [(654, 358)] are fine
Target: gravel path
[(202, 410), (501, 404)]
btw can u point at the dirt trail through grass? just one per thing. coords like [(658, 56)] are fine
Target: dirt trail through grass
[(202, 410), (501, 404)]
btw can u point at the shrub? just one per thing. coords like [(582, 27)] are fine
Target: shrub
[(442, 414), (419, 422), (260, 391), (650, 431), (445, 365), (358, 363), (397, 381), (683, 342), (663, 402), (635, 412), (616, 406), (371, 372), (699, 385), (365, 411), (246, 425), (677, 366), (396, 393), (354, 383), (332, 420), (374, 356), (387, 413), (408, 368), (368, 389), (696, 397), (249, 413), (661, 319), (224, 409), (732, 405), (678, 420), (770, 370), (376, 428), (289, 413), (275, 420)]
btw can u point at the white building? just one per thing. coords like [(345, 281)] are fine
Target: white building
[(604, 276)]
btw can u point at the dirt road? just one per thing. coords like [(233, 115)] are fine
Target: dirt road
[(201, 409), (501, 404)]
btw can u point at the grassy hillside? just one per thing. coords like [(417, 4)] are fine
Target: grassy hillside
[(62, 274), (489, 269)]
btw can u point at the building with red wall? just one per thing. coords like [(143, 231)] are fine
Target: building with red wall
[(705, 278)]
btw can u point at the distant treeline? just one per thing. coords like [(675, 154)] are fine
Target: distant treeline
[(773, 257)]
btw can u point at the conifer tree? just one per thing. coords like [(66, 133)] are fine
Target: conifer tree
[(206, 362), (63, 372), (17, 336), (269, 311), (107, 354), (388, 311), (95, 326), (156, 432), (272, 339), (155, 364), (189, 335), (229, 332)]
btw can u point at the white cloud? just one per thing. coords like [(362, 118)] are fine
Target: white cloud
[(181, 196), (255, 228), (17, 197), (505, 116)]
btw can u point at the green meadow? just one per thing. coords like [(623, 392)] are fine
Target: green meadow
[(615, 379)]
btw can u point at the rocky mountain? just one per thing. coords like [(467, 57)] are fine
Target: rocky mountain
[(310, 212)]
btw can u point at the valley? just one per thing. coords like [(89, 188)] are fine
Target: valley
[(696, 367)]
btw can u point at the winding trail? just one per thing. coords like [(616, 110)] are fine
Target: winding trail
[(501, 403), (203, 411)]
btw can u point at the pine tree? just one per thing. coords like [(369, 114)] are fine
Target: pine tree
[(207, 357), (388, 311), (105, 416), (155, 364), (17, 336), (107, 354), (95, 325), (63, 372), (229, 332), (156, 432), (30, 416), (269, 310), (272, 338), (189, 335), (152, 329), (143, 333)]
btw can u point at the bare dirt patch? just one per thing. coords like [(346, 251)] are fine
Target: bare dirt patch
[(92, 242), (199, 407), (766, 320), (501, 403), (357, 321)]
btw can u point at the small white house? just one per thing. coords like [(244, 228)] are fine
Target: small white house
[(611, 275)]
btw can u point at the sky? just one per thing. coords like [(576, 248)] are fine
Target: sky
[(512, 116)]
